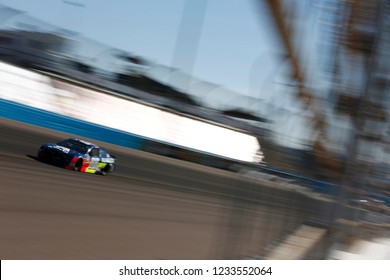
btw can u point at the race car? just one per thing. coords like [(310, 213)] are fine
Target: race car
[(78, 155)]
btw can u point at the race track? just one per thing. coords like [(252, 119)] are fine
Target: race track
[(151, 208)]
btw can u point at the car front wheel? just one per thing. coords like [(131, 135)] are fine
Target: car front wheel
[(106, 169)]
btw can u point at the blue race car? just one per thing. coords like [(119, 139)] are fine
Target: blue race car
[(78, 155)]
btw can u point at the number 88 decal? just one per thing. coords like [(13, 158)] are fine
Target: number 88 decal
[(94, 163)]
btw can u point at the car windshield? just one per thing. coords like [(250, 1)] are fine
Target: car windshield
[(75, 146)]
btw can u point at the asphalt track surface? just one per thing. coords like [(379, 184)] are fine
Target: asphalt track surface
[(152, 207)]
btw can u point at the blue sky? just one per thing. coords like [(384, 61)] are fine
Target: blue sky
[(234, 36)]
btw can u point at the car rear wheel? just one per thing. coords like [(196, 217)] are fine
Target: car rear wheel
[(77, 166)]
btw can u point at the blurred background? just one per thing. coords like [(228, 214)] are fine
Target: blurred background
[(283, 104)]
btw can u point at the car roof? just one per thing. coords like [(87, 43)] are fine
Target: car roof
[(84, 142)]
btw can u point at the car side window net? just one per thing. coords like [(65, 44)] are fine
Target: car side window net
[(94, 152)]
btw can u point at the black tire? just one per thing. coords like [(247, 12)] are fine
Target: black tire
[(105, 170), (78, 165)]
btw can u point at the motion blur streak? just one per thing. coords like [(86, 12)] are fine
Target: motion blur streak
[(152, 208), (295, 105)]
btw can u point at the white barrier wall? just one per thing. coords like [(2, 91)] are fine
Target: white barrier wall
[(39, 91)]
